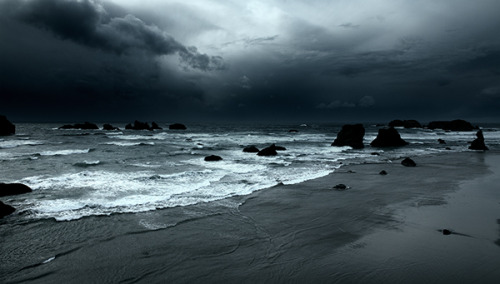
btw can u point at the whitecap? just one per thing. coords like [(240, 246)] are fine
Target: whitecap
[(5, 144), (64, 152)]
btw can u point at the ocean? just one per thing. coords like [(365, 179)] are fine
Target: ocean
[(81, 173)]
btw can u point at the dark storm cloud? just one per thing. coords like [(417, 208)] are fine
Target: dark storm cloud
[(87, 22)]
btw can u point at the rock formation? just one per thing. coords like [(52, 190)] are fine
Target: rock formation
[(6, 127), (388, 137), (478, 143), (350, 135), (454, 125)]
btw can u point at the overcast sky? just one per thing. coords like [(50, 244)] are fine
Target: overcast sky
[(274, 60)]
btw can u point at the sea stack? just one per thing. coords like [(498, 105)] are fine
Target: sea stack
[(388, 137), (350, 135), (177, 126), (478, 143), (6, 127)]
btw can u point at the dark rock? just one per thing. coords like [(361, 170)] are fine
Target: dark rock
[(407, 162), (350, 135), (269, 151), (388, 137), (340, 187), (177, 126), (375, 154), (109, 127), (6, 127), (454, 125), (85, 126), (478, 143), (251, 149), (213, 158), (279, 148), (405, 123), (13, 189), (138, 125), (441, 141), (293, 131), (155, 126), (6, 209), (447, 148), (446, 232), (383, 173)]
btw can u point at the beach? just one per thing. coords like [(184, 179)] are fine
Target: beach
[(382, 228)]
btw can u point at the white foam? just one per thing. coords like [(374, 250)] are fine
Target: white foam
[(64, 152), (126, 144), (5, 144)]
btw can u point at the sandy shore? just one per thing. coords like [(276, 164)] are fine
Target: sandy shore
[(381, 229)]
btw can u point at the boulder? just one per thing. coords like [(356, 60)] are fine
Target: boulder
[(478, 143), (441, 141), (279, 148), (138, 125), (454, 125), (293, 131), (405, 123), (86, 126), (269, 151), (251, 149), (177, 126), (383, 173), (388, 137), (213, 158), (13, 189), (6, 209), (109, 127), (155, 126), (350, 135), (407, 162), (6, 127)]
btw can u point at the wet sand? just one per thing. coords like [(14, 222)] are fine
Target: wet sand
[(381, 229)]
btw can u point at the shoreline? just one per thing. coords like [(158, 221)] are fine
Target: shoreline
[(298, 232)]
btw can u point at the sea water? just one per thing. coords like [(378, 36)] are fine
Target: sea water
[(79, 173)]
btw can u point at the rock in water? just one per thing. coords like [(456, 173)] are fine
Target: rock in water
[(177, 126), (13, 189), (405, 123), (213, 158), (155, 126), (388, 137), (138, 125), (6, 127), (446, 232), (6, 209), (109, 127), (407, 162), (441, 141), (86, 126), (454, 125), (383, 173), (350, 135), (269, 151), (251, 149), (340, 187), (478, 143)]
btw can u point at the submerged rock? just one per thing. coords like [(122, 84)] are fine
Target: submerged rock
[(478, 143), (177, 126), (388, 137), (269, 151), (251, 149), (6, 209), (407, 162), (86, 126), (350, 135), (293, 131), (405, 123), (454, 125), (441, 141), (383, 173), (13, 189), (340, 187), (213, 158), (6, 127), (109, 127)]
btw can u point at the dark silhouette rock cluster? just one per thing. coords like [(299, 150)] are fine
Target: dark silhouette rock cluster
[(350, 135), (139, 125), (478, 143), (268, 151), (177, 126), (6, 127), (405, 123), (84, 126), (388, 137), (407, 162), (454, 125)]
